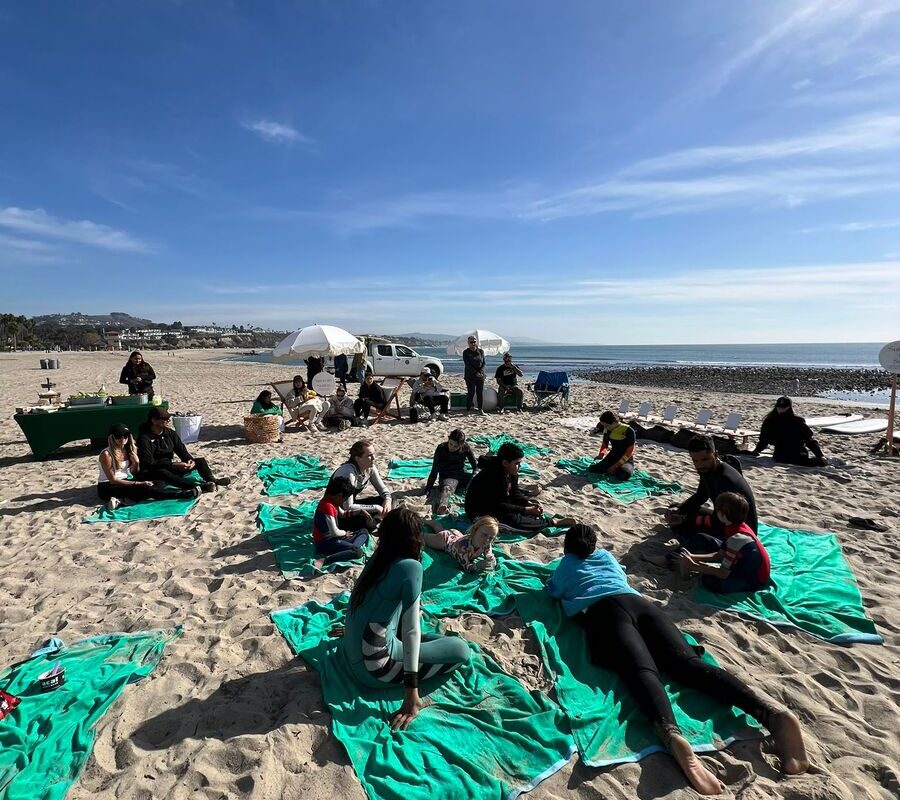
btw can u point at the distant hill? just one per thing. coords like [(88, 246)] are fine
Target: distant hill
[(437, 338), (115, 319)]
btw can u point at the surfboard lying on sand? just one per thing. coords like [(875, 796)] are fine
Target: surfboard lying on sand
[(860, 426), (836, 419)]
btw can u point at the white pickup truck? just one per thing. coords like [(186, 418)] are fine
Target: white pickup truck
[(388, 359)]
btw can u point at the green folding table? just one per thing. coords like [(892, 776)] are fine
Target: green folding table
[(47, 431)]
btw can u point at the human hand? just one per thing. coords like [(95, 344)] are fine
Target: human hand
[(148, 484), (442, 509), (412, 705), (386, 506), (534, 509), (672, 517)]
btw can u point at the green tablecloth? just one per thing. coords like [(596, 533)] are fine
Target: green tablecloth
[(46, 432)]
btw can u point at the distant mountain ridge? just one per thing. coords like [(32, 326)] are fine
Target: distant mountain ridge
[(116, 319), (443, 338)]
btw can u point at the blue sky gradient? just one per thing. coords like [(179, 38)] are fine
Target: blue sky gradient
[(586, 172)]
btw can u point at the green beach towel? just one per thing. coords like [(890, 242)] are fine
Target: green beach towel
[(408, 468), (151, 509), (813, 589), (46, 740), (289, 531), (606, 722), (493, 444), (637, 487), (292, 475), (481, 736)]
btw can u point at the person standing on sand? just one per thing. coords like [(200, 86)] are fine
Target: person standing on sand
[(473, 359), (138, 375), (633, 637)]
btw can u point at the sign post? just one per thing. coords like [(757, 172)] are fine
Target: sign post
[(889, 358)]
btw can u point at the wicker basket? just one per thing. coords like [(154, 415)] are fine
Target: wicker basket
[(262, 428)]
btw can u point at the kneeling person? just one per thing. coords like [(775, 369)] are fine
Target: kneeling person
[(743, 563), (616, 456), (337, 533)]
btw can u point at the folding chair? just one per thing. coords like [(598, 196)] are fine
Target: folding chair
[(394, 385), (623, 409), (283, 389), (732, 428), (669, 414), (703, 417), (550, 386), (645, 411)]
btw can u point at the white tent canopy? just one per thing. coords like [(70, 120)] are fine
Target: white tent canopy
[(492, 343), (318, 340)]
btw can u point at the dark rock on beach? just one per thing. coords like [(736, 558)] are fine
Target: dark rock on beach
[(794, 381)]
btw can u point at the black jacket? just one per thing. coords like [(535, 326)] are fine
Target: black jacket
[(789, 434), (450, 465), (724, 478), (474, 361), (159, 451), (144, 371), (494, 492), (373, 393)]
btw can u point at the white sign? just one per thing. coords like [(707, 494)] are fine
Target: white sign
[(889, 357), (324, 384)]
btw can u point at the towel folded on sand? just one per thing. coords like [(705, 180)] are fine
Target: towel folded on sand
[(480, 736), (151, 509), (292, 475), (813, 589), (289, 531), (605, 720), (493, 444), (46, 740), (639, 486)]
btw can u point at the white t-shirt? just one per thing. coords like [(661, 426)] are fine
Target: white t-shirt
[(123, 469)]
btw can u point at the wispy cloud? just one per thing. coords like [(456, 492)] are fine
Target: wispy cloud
[(14, 249), (856, 227), (37, 222), (277, 132)]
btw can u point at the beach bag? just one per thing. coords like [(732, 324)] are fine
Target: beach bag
[(262, 428)]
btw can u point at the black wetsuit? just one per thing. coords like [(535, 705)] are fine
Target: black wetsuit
[(620, 442), (369, 397), (492, 492), (792, 438), (474, 375)]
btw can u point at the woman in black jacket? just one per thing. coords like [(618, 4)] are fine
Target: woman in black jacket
[(473, 358), (791, 436), (138, 375)]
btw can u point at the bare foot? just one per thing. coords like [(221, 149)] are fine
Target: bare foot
[(785, 728), (697, 774), (565, 522)]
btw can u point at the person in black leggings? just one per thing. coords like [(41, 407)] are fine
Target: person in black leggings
[(473, 359), (629, 635), (157, 447)]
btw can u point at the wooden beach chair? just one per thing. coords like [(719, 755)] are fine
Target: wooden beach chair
[(394, 385), (702, 422), (623, 410), (669, 414), (732, 427), (645, 412)]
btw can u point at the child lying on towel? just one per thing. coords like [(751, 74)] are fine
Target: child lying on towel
[(340, 534), (471, 549), (743, 563)]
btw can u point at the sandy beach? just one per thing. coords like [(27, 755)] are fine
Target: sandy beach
[(230, 713)]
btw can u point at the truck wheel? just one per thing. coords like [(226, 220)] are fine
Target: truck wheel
[(433, 369)]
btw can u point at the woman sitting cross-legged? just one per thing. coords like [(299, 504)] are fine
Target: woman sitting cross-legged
[(382, 640), (631, 636), (115, 481), (360, 470)]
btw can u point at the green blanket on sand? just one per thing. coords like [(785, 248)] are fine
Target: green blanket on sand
[(410, 468), (606, 722), (46, 740), (813, 589), (480, 736), (493, 444), (289, 531), (151, 509), (637, 487), (292, 475)]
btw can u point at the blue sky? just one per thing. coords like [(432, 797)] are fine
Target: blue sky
[(588, 172)]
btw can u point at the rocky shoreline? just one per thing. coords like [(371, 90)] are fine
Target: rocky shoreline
[(795, 381)]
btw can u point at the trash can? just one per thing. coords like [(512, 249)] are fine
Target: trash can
[(43, 363), (187, 428)]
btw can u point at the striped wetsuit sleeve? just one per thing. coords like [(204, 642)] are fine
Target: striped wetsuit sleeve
[(410, 626)]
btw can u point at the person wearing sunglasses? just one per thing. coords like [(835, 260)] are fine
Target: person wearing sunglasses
[(507, 377), (340, 411), (473, 359), (119, 463)]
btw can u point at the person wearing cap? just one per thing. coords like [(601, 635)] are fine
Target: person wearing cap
[(791, 436), (119, 463), (448, 471), (340, 411), (473, 359), (427, 391), (507, 377), (157, 446), (371, 395), (138, 375)]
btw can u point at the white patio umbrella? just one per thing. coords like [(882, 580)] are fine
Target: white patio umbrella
[(318, 340), (492, 343)]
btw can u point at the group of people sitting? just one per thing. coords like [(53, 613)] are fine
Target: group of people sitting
[(155, 466), (382, 640)]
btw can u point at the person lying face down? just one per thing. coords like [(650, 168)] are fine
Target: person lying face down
[(472, 549), (628, 634)]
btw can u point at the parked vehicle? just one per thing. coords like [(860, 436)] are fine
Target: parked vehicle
[(398, 360)]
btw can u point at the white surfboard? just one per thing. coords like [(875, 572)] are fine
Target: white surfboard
[(860, 426), (837, 419)]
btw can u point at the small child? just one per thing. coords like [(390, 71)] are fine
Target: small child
[(471, 549), (743, 561), (330, 522)]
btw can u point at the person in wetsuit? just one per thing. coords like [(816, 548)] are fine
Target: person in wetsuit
[(616, 456), (791, 437), (383, 643), (635, 638)]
